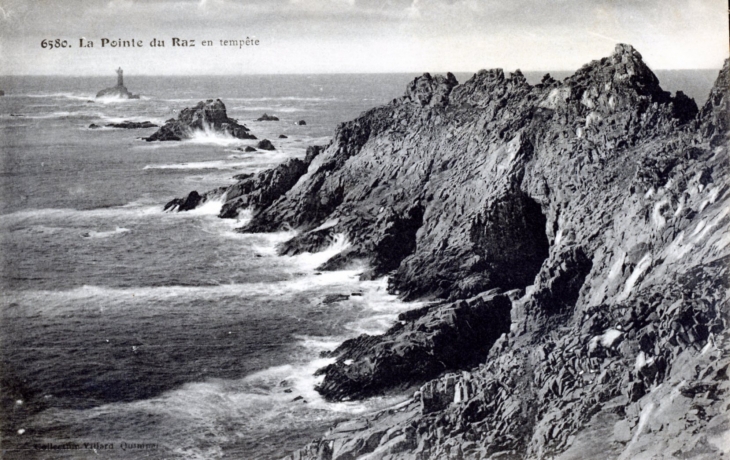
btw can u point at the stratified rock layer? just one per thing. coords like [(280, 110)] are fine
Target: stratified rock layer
[(595, 209), (206, 117)]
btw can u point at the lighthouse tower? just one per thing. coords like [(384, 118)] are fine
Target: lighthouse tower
[(120, 77)]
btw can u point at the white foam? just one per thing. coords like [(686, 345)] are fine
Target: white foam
[(211, 207), (209, 136), (268, 109), (73, 96), (313, 260), (107, 234), (213, 164), (66, 213)]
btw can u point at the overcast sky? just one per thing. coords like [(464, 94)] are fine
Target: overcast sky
[(322, 36)]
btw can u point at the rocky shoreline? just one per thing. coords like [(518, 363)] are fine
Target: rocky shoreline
[(574, 236)]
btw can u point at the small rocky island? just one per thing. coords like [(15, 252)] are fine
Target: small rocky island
[(120, 91), (206, 117)]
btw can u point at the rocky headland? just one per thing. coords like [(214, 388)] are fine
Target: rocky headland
[(574, 240), (206, 117)]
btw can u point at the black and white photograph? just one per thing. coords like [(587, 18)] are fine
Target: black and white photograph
[(364, 230)]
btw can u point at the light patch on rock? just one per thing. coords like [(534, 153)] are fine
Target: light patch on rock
[(642, 361), (556, 98), (593, 118), (635, 277), (656, 215)]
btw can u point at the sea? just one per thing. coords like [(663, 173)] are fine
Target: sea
[(130, 332)]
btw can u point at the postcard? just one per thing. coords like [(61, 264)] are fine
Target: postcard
[(364, 229)]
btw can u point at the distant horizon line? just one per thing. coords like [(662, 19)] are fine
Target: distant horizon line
[(331, 73)]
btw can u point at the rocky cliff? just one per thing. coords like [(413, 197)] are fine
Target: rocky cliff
[(209, 116), (575, 235)]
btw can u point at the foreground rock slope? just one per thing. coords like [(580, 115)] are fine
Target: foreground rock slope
[(575, 235)]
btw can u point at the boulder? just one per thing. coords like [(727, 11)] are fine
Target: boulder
[(300, 123), (265, 144)]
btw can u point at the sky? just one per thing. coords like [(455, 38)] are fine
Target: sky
[(353, 36)]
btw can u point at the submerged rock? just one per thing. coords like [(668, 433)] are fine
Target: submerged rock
[(206, 117), (301, 123)]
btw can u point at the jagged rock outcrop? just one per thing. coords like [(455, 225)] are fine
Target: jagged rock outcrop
[(433, 340), (193, 200), (598, 205), (208, 116)]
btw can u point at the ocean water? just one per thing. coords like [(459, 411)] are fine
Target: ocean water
[(121, 324)]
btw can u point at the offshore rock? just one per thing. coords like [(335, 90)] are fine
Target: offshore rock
[(132, 125), (267, 117), (116, 92), (119, 91), (209, 116), (265, 144)]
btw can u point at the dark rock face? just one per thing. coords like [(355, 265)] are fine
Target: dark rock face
[(94, 126), (267, 117), (265, 144), (447, 337), (301, 123), (132, 125), (261, 190), (184, 204), (193, 200), (206, 116), (283, 136), (2, 93)]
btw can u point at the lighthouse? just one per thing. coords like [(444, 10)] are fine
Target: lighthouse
[(120, 77)]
